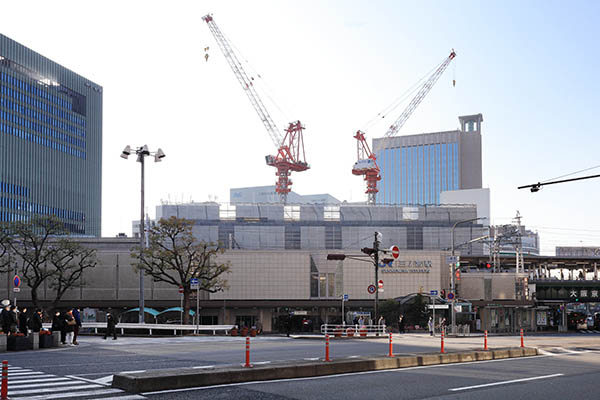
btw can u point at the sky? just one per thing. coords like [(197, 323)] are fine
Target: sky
[(529, 67)]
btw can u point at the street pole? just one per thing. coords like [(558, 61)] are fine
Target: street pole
[(141, 157), (197, 308), (433, 302), (376, 257), (343, 319), (452, 271)]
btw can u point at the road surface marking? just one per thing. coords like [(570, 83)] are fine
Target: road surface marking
[(133, 372), (533, 378), (75, 394), (36, 381), (203, 366), (312, 359), (262, 362)]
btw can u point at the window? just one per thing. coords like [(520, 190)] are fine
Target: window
[(293, 238), (227, 211), (333, 237), (291, 213), (410, 213), (331, 213)]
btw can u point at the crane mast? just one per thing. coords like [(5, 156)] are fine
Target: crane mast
[(290, 148), (367, 161)]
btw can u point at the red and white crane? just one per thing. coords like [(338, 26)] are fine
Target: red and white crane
[(367, 161), (290, 148)]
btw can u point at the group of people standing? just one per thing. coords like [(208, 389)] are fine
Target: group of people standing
[(68, 324), (16, 321)]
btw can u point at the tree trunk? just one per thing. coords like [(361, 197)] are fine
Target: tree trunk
[(34, 296), (186, 306)]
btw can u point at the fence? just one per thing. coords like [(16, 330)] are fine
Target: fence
[(155, 327), (353, 330)]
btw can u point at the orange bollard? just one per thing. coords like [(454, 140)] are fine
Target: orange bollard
[(442, 351), (522, 344), (391, 354), (485, 340), (4, 391), (248, 365), (327, 348)]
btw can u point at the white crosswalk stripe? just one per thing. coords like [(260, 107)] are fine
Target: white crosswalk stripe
[(27, 384)]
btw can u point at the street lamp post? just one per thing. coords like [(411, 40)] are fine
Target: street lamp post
[(141, 153), (453, 265)]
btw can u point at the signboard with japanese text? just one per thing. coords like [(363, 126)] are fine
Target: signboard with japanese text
[(574, 291)]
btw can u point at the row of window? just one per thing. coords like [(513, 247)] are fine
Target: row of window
[(22, 205), (28, 112), (290, 213), (6, 216), (417, 174), (8, 117), (35, 90), (11, 188), (8, 129)]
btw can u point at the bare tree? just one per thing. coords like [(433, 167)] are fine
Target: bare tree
[(68, 262), (174, 256)]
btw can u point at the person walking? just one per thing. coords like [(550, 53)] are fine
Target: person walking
[(12, 315), (77, 317), (401, 324), (430, 325), (110, 326), (23, 321), (5, 317), (62, 326)]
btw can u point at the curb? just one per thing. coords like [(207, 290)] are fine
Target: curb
[(180, 378)]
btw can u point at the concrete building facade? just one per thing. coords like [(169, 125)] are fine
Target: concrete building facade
[(50, 141), (415, 169), (266, 194)]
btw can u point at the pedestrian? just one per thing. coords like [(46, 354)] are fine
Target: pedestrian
[(23, 321), (35, 323), (430, 325), (361, 321), (69, 327), (259, 327), (56, 322), (62, 317), (110, 326), (13, 319), (288, 325), (77, 317), (401, 324), (5, 317)]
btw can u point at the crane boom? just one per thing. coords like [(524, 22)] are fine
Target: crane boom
[(395, 127), (290, 155), (243, 79)]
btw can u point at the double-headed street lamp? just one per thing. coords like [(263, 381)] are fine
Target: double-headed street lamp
[(453, 265), (142, 153)]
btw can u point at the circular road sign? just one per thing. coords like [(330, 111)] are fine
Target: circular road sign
[(180, 289), (371, 289), (395, 251), (380, 284), (450, 296), (17, 281)]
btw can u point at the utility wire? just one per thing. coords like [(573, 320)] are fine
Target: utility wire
[(572, 173)]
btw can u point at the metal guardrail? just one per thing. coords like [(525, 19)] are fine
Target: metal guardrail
[(154, 327), (353, 330)]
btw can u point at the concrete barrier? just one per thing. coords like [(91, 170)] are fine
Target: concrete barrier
[(179, 378), (2, 343)]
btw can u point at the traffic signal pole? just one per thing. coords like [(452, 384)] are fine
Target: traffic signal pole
[(376, 259)]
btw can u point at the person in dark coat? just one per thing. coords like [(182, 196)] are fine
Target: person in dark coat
[(77, 317), (5, 319), (13, 319), (401, 324), (111, 323), (58, 323), (23, 321), (35, 323)]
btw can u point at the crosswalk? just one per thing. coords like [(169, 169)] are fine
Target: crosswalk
[(27, 384)]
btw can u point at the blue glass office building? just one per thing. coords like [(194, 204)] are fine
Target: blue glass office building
[(50, 141), (415, 169)]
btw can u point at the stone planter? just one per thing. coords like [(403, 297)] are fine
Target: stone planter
[(35, 339), (55, 338), (46, 341), (2, 343), (18, 343)]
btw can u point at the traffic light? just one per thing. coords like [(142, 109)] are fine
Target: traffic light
[(443, 293), (368, 250), (488, 265), (457, 274)]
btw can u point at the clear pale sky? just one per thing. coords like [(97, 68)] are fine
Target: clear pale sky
[(531, 68)]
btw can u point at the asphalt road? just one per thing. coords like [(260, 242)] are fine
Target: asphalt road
[(86, 371)]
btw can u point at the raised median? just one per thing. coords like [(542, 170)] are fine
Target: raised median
[(180, 378)]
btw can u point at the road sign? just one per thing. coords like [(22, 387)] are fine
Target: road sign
[(194, 285), (180, 289), (380, 284), (17, 281), (450, 296), (345, 297), (438, 306), (452, 259), (395, 251), (433, 292), (16, 289), (371, 289)]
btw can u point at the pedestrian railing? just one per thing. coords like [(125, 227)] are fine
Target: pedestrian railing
[(339, 330), (156, 327)]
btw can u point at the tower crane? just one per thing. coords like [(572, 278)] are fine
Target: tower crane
[(367, 161), (290, 155)]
